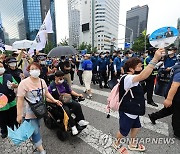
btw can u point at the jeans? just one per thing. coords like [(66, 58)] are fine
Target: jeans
[(36, 136)]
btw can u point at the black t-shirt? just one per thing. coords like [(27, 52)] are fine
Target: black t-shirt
[(62, 66)]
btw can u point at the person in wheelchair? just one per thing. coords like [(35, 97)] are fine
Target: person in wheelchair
[(60, 89)]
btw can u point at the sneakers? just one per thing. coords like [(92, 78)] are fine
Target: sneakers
[(83, 123), (152, 119), (89, 96), (74, 130)]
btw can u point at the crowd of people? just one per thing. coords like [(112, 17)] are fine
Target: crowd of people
[(24, 78)]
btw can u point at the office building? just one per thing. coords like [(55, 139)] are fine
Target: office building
[(99, 20), (74, 22), (23, 18), (136, 21), (1, 31)]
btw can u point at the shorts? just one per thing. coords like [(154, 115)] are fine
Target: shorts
[(126, 123)]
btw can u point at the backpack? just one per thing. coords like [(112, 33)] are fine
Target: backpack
[(114, 100)]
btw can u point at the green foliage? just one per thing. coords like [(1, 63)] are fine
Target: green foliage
[(139, 43), (64, 42), (89, 48), (49, 47)]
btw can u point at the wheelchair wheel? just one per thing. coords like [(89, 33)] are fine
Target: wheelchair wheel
[(49, 123), (62, 135)]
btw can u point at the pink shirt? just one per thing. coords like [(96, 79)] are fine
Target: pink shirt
[(32, 91)]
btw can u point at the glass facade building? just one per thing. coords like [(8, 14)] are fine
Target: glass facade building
[(22, 19), (136, 19)]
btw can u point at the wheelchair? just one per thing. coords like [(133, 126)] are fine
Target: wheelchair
[(54, 120)]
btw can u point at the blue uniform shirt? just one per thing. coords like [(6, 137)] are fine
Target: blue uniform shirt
[(117, 62), (177, 77), (102, 63), (94, 60), (124, 61), (107, 58), (87, 65), (169, 62)]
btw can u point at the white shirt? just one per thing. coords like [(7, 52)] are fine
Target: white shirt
[(128, 83)]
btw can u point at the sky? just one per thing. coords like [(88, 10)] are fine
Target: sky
[(161, 13)]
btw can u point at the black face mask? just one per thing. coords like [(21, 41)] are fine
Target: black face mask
[(137, 72)]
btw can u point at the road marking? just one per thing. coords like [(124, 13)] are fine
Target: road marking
[(106, 94), (100, 141), (160, 127)]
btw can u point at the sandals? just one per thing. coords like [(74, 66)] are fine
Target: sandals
[(138, 147), (120, 148)]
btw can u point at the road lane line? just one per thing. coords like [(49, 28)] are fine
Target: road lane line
[(160, 127), (100, 141), (106, 94)]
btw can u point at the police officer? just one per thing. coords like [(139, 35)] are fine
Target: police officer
[(107, 58), (164, 71), (102, 68), (94, 59), (111, 64), (149, 82), (171, 103), (117, 65)]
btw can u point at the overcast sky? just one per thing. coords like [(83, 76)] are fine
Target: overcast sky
[(161, 13)]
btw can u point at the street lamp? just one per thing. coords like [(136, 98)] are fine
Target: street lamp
[(131, 38)]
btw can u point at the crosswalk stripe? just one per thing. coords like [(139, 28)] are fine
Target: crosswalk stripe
[(160, 127), (100, 141), (106, 94)]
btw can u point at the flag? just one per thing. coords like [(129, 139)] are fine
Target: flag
[(45, 28), (66, 119)]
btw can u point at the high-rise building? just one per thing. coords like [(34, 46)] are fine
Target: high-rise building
[(23, 18), (1, 31), (136, 21), (74, 22), (99, 20)]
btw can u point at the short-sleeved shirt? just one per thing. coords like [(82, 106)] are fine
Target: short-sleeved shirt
[(176, 77), (169, 62), (128, 83), (102, 63), (32, 92), (117, 62), (62, 88)]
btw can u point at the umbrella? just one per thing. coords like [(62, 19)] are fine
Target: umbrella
[(21, 134), (62, 51), (24, 44)]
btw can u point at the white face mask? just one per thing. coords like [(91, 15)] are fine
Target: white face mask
[(61, 81), (146, 54), (130, 55), (170, 52), (34, 73), (2, 70), (12, 64), (43, 62), (102, 56)]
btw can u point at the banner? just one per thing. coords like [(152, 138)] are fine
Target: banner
[(45, 28)]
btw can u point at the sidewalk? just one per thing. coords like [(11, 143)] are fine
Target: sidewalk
[(6, 146)]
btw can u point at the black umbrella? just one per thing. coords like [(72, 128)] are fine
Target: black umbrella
[(62, 51)]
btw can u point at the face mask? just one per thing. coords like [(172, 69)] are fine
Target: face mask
[(146, 54), (163, 54), (61, 81), (2, 70), (170, 52), (137, 72), (102, 56), (130, 55), (43, 62), (12, 64), (96, 54), (34, 73)]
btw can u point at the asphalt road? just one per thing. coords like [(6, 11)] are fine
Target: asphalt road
[(98, 136)]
